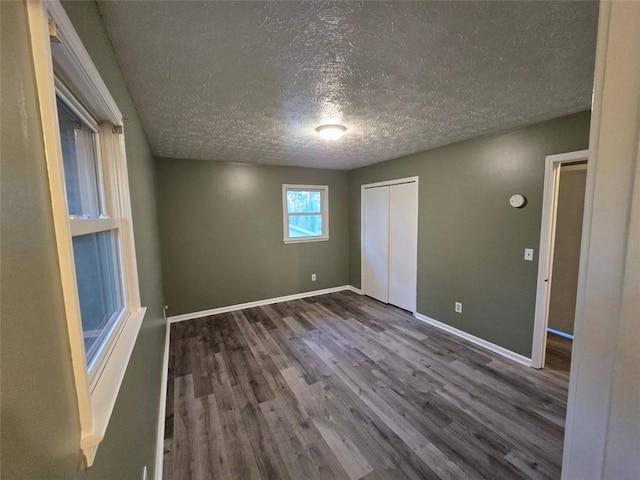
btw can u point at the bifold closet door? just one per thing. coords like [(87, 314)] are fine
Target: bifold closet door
[(375, 243), (403, 245)]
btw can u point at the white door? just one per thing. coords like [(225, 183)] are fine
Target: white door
[(403, 245), (375, 243)]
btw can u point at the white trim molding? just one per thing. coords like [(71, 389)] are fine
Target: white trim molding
[(387, 183), (206, 313), (258, 303), (105, 391), (97, 385), (576, 167), (516, 357), (162, 411), (552, 170), (602, 438), (80, 69)]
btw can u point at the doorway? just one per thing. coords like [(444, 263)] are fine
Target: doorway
[(560, 240), (389, 248)]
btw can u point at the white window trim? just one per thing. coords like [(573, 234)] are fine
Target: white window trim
[(324, 212), (96, 397)]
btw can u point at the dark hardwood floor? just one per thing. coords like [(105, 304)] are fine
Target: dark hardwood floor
[(343, 387), (558, 354)]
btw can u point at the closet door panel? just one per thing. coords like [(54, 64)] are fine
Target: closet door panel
[(403, 245), (375, 243)]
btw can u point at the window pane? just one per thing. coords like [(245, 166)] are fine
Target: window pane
[(79, 158), (305, 226), (303, 201), (98, 274)]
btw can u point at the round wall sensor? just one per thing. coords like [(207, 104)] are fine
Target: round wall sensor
[(517, 201)]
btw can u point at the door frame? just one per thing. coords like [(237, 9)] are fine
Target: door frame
[(553, 163), (386, 183)]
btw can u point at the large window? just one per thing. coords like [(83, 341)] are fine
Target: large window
[(94, 230), (89, 187), (305, 212)]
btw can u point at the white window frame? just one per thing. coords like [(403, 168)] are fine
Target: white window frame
[(324, 196), (96, 390)]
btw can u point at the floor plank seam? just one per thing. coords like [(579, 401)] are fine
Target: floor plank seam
[(342, 386)]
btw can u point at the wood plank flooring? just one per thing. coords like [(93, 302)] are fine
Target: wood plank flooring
[(558, 355), (341, 386)]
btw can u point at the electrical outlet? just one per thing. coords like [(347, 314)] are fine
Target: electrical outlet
[(313, 277), (528, 254), (145, 475), (458, 307)]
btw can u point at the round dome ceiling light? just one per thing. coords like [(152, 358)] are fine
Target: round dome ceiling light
[(331, 132)]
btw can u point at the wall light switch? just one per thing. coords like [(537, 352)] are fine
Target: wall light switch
[(528, 254)]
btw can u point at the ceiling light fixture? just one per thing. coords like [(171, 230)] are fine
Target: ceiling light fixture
[(331, 132)]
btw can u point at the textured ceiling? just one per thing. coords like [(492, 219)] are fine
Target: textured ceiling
[(250, 81)]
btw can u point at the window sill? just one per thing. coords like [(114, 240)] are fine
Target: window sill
[(307, 240), (105, 391), (95, 398)]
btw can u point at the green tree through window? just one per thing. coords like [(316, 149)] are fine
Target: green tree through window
[(305, 212)]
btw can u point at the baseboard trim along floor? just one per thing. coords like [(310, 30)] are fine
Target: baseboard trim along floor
[(259, 303), (214, 311), (343, 386), (516, 357), (205, 313)]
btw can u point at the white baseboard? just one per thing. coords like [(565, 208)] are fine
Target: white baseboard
[(516, 357), (163, 407), (205, 313), (355, 290), (258, 303)]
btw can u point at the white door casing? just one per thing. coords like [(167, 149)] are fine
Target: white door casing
[(553, 163)]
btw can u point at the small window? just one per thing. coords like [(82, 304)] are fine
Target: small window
[(306, 213)]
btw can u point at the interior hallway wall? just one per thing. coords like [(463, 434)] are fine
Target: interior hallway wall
[(470, 240)]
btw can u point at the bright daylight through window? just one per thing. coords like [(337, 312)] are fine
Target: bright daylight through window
[(306, 213)]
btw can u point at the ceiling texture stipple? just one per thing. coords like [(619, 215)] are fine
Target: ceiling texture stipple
[(251, 81)]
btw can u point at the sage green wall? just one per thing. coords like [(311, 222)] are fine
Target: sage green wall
[(566, 254), (470, 241), (40, 430), (222, 238)]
